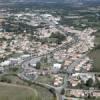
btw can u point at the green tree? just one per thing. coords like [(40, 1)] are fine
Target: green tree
[(89, 82), (4, 79), (38, 65), (58, 36)]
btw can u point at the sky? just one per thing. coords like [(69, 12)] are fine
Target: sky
[(46, 0)]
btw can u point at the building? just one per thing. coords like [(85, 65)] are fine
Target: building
[(1, 69), (56, 67), (5, 63)]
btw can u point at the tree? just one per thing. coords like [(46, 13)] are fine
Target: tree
[(38, 65), (62, 91), (58, 36), (4, 79), (89, 82), (44, 59), (15, 69)]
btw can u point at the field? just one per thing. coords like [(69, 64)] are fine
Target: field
[(45, 79), (95, 56), (30, 93), (17, 92)]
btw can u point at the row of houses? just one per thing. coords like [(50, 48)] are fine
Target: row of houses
[(14, 61)]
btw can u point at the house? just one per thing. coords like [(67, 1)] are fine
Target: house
[(33, 64), (96, 93), (74, 81), (13, 61), (56, 67), (5, 63), (1, 69), (67, 62), (24, 57), (58, 81), (77, 93)]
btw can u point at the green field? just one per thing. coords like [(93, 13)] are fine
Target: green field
[(17, 92), (41, 92), (95, 56), (45, 79)]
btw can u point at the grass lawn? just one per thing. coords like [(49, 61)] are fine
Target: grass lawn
[(14, 79), (45, 65), (45, 79), (17, 92)]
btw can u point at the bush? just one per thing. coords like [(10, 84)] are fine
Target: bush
[(58, 36), (89, 82), (4, 79), (38, 65)]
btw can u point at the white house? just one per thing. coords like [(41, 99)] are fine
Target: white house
[(24, 57), (56, 67), (33, 64), (13, 61), (5, 63)]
